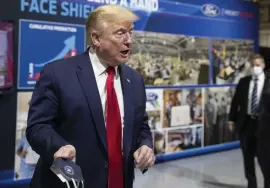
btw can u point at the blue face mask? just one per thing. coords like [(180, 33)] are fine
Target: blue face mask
[(67, 171)]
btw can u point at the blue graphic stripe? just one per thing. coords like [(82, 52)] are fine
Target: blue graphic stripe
[(198, 151), (9, 182), (198, 17), (6, 174), (187, 86)]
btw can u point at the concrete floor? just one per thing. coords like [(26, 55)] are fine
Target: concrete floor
[(219, 170)]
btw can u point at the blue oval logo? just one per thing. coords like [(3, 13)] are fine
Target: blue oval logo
[(210, 10), (151, 96)]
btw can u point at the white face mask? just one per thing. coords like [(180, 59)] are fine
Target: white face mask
[(256, 71)]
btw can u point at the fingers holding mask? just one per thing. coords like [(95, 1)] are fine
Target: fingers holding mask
[(67, 152)]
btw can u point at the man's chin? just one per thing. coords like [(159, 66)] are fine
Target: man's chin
[(123, 60)]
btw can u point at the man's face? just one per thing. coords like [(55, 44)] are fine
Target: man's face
[(114, 44), (257, 63)]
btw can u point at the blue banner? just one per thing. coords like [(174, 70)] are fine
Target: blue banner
[(209, 18), (43, 42)]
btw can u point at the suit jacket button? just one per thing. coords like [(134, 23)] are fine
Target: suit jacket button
[(106, 165)]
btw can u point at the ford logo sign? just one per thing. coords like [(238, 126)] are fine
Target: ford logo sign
[(151, 96), (210, 10)]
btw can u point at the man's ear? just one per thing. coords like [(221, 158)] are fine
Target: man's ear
[(94, 36)]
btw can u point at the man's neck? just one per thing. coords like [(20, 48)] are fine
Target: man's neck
[(101, 60)]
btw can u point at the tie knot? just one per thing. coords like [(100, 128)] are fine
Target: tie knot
[(256, 79), (110, 70)]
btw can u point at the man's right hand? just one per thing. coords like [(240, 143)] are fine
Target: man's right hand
[(231, 126), (67, 152)]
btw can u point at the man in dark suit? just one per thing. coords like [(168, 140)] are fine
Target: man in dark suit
[(263, 133), (91, 108), (244, 115)]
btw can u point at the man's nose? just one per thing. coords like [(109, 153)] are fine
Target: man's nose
[(128, 38)]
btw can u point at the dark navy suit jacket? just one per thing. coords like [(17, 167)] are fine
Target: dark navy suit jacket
[(66, 109)]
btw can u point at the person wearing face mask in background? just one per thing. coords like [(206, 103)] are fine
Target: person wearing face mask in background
[(243, 116)]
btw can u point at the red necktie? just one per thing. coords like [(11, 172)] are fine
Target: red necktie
[(114, 134)]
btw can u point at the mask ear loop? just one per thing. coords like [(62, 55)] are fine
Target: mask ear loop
[(67, 184), (74, 183), (78, 184)]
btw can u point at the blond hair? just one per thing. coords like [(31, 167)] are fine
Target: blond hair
[(110, 14)]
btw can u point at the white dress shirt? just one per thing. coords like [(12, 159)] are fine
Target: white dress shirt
[(260, 84), (101, 77)]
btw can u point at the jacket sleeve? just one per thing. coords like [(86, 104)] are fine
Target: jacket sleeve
[(235, 103), (42, 115), (145, 135)]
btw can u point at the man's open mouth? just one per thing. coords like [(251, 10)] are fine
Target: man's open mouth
[(125, 52)]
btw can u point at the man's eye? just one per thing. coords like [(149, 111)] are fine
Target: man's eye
[(120, 32)]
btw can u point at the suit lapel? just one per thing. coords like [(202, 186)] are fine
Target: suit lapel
[(246, 92), (126, 83), (87, 80)]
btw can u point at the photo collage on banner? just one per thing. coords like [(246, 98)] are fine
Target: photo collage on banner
[(175, 118), (195, 112)]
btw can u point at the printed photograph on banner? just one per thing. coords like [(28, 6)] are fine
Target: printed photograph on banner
[(6, 54), (154, 99), (65, 40), (184, 138), (159, 137), (182, 107), (154, 105), (168, 59), (231, 60), (154, 119), (25, 157), (216, 114)]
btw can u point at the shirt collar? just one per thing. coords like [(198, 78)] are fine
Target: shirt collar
[(98, 67), (260, 77)]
